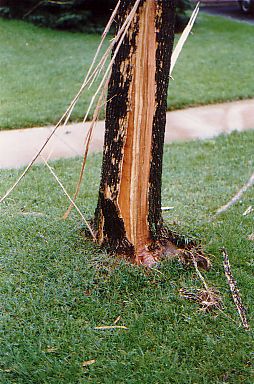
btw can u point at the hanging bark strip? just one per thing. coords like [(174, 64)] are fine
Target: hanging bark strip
[(128, 216), (234, 290)]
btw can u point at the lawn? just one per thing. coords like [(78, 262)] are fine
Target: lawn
[(42, 69), (56, 287)]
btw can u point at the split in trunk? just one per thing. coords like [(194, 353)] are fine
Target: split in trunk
[(128, 217)]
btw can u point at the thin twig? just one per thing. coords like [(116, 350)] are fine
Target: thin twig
[(237, 196), (66, 193), (227, 316), (198, 272), (87, 143), (234, 290)]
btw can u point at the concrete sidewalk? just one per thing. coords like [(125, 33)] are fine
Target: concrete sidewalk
[(17, 147)]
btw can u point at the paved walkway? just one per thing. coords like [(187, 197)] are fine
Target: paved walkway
[(230, 11), (17, 147)]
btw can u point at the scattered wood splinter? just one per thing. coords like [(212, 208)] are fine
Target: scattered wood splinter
[(88, 362), (251, 237), (209, 299), (237, 196), (248, 210), (117, 320), (166, 208), (51, 349), (105, 327)]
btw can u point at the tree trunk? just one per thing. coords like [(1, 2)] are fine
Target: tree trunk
[(128, 216)]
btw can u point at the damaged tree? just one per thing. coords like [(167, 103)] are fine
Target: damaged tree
[(128, 217)]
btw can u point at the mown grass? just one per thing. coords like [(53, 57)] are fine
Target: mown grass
[(56, 287), (42, 69)]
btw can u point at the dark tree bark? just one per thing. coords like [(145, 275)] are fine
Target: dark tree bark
[(128, 216)]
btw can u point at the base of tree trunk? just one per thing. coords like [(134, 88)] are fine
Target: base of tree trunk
[(153, 253), (171, 245), (128, 219)]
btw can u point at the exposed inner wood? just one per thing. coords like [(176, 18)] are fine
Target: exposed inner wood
[(134, 185)]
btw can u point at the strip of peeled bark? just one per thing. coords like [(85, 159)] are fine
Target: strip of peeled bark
[(128, 216)]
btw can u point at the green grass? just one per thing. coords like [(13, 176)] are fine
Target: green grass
[(56, 287), (42, 69)]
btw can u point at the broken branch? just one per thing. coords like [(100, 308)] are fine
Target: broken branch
[(234, 290)]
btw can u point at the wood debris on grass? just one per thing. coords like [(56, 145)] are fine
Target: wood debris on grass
[(51, 349), (237, 196), (167, 208), (234, 290), (248, 211), (117, 320), (88, 362), (32, 214), (209, 299), (7, 370), (106, 327), (251, 237)]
